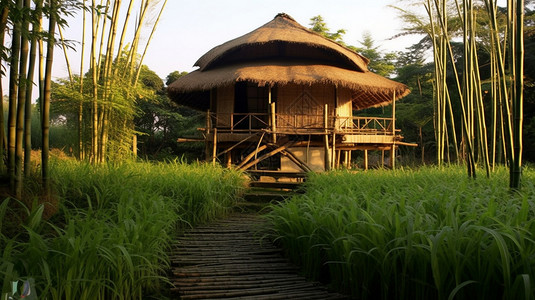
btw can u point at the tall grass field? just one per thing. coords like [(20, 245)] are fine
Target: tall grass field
[(414, 234), (114, 224)]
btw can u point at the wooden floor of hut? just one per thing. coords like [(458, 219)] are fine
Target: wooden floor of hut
[(228, 260)]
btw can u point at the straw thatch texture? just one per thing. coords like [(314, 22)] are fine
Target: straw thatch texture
[(283, 30), (279, 53), (368, 88)]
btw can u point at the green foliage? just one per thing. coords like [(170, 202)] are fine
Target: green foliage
[(173, 76), (404, 234), (160, 122), (380, 63), (115, 224), (318, 25)]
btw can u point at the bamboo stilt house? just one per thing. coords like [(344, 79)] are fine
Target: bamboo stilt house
[(282, 97)]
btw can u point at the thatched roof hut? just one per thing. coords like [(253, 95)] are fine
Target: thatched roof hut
[(283, 52)]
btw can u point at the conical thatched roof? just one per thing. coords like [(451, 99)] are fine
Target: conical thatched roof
[(281, 52)]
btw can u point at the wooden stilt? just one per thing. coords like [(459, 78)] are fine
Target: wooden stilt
[(393, 151), (273, 121), (229, 159), (325, 125), (206, 136), (383, 158), (333, 152), (365, 159), (214, 147), (393, 156)]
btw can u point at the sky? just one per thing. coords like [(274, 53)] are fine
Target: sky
[(190, 28)]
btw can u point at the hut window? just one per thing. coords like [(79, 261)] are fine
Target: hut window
[(250, 99)]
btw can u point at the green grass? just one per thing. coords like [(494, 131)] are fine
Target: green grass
[(414, 234), (114, 226)]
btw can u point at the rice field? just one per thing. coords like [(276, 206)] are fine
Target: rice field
[(114, 223), (414, 234)]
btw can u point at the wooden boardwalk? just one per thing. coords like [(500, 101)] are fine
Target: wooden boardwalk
[(228, 260)]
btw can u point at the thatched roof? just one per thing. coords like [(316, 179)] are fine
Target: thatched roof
[(282, 52)]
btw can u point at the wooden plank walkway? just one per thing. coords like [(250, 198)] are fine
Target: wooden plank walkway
[(228, 260)]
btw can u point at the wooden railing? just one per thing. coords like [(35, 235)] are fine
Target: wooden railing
[(240, 122), (364, 125), (255, 122)]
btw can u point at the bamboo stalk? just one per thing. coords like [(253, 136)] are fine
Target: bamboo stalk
[(3, 139), (36, 28), (45, 122), (518, 101), (148, 42), (21, 100), (81, 151), (13, 93)]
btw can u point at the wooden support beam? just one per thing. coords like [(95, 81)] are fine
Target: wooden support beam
[(239, 143), (265, 156), (251, 155)]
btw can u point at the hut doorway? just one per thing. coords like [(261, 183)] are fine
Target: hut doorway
[(251, 106)]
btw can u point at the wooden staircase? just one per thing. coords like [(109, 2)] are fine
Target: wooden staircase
[(277, 180)]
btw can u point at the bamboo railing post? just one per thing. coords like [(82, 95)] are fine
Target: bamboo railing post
[(325, 125)]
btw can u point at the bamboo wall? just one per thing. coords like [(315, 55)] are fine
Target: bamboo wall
[(344, 107), (225, 105), (302, 106)]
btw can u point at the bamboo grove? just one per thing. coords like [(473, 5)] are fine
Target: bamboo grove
[(30, 32), (491, 109), (107, 91), (22, 25)]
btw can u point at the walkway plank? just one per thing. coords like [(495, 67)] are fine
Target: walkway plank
[(227, 260)]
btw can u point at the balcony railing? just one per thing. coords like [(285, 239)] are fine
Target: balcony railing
[(365, 125), (255, 122)]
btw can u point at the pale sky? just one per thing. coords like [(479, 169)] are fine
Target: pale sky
[(188, 29)]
